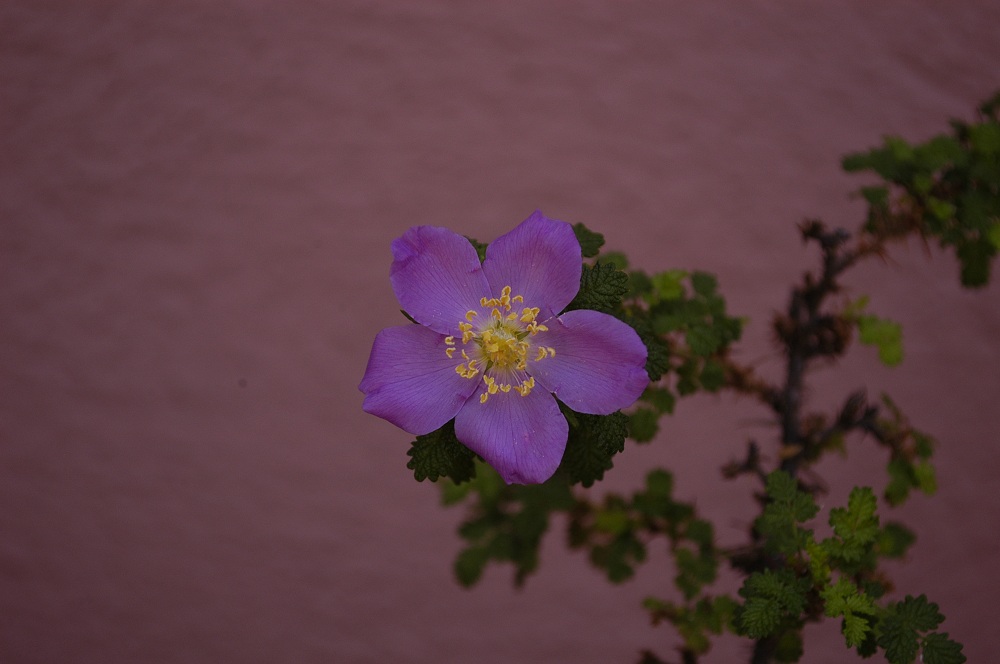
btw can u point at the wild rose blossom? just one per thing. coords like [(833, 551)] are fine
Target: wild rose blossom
[(491, 351)]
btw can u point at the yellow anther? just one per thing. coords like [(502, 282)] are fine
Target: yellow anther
[(470, 314), (461, 370), (517, 298), (505, 297), (450, 341), (484, 301), (496, 314), (472, 363), (512, 316), (541, 354), (483, 397), (449, 352), (505, 388), (464, 355), (551, 351)]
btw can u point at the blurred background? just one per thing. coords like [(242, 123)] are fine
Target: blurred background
[(197, 201)]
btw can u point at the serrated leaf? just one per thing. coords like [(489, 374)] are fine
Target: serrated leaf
[(857, 524), (856, 608), (788, 507), (939, 649), (590, 242), (770, 597), (593, 441), (440, 454), (899, 628), (602, 288)]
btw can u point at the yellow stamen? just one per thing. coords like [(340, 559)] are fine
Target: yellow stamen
[(501, 348)]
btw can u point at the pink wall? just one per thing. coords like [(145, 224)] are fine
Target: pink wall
[(197, 202)]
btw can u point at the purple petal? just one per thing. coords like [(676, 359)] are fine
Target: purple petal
[(411, 382), (522, 437), (599, 365), (540, 259), (437, 277)]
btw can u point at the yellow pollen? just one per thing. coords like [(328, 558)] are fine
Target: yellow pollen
[(500, 350)]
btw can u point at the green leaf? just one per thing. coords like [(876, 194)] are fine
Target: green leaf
[(771, 596), (704, 284), (657, 352), (885, 334), (662, 399), (789, 647), (694, 570), (469, 565), (894, 540), (668, 285), (939, 649), (480, 247), (788, 506), (975, 258), (993, 235), (843, 599), (713, 375), (643, 425), (602, 288), (590, 242), (439, 454), (898, 629), (593, 441), (619, 557), (857, 525), (985, 138)]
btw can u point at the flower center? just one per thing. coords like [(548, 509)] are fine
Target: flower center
[(498, 344)]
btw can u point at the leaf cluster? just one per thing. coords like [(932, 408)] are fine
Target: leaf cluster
[(505, 523), (946, 188), (802, 578)]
